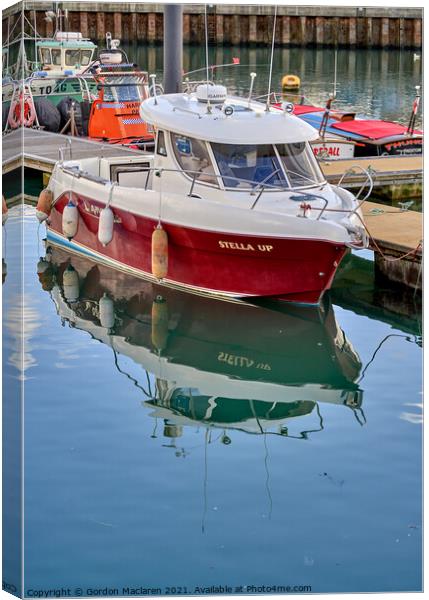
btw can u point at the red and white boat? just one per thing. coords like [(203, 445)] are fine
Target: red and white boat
[(232, 200)]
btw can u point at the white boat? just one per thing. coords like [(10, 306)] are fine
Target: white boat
[(232, 203)]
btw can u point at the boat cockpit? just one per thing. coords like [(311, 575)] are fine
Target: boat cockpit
[(244, 166)]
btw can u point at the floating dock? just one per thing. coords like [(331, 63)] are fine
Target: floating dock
[(394, 232), (39, 150), (397, 241), (395, 177)]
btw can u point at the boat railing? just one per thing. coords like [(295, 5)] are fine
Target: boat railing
[(273, 97), (63, 149), (367, 182), (83, 82), (280, 97), (191, 86), (76, 171), (194, 175), (304, 197)]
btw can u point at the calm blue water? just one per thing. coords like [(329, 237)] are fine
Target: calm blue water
[(209, 443)]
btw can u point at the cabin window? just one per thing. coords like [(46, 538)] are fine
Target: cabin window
[(193, 157), (300, 164), (249, 165), (45, 56), (161, 147), (56, 56), (73, 57), (132, 175), (86, 56)]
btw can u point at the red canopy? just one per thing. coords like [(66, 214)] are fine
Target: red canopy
[(373, 129), (302, 109)]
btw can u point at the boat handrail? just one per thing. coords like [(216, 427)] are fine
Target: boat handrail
[(368, 181), (262, 185), (61, 151), (187, 110), (160, 170), (273, 96), (304, 197), (76, 171)]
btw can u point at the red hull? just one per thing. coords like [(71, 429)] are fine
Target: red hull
[(295, 270)]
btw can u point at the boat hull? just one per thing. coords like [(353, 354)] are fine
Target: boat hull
[(208, 262)]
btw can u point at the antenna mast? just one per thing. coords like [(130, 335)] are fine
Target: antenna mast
[(207, 57), (271, 61)]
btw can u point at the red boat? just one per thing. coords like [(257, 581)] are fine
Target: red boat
[(232, 203), (342, 135)]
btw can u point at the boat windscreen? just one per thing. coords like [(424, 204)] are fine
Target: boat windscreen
[(123, 89), (300, 164), (248, 165)]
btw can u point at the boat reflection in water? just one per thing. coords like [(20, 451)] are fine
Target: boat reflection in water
[(228, 365)]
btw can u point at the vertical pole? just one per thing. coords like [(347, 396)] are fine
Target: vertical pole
[(173, 48)]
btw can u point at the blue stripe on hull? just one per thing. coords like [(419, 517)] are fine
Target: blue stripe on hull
[(60, 240)]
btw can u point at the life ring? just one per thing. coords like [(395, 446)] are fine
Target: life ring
[(16, 119)]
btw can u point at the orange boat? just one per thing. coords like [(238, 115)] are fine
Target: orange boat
[(114, 115)]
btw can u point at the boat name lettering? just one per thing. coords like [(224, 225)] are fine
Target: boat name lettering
[(402, 143), (241, 361), (331, 150), (95, 210), (244, 246)]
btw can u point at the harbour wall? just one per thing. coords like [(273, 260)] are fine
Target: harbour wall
[(366, 27)]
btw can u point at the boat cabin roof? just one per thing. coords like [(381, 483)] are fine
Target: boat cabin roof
[(78, 43), (233, 121)]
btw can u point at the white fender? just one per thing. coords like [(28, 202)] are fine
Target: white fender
[(106, 309), (70, 220), (71, 284), (105, 226)]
